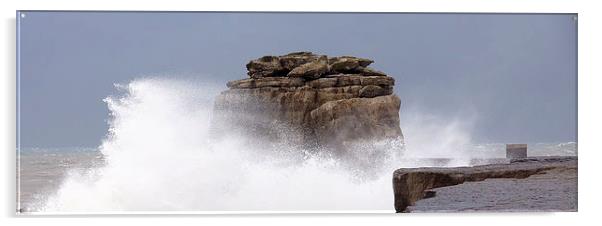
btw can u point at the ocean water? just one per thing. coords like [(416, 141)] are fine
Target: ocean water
[(157, 156), (41, 171)]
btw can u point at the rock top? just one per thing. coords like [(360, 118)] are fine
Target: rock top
[(309, 65)]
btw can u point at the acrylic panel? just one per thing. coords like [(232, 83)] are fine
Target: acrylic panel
[(271, 112)]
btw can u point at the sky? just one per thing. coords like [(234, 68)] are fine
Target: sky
[(513, 75)]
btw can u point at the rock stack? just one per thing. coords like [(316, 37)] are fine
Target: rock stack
[(310, 100)]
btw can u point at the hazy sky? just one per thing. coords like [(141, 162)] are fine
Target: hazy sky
[(517, 73)]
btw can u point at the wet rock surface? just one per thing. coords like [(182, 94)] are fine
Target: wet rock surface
[(310, 100), (536, 184)]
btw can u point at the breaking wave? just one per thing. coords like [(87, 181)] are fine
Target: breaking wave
[(159, 157)]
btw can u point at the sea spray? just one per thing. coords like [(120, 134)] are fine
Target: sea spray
[(434, 136), (159, 156)]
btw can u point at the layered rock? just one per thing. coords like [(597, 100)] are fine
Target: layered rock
[(309, 65), (356, 119), (311, 100)]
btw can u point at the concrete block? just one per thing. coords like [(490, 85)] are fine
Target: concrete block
[(516, 151)]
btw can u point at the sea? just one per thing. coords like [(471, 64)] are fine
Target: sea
[(43, 171)]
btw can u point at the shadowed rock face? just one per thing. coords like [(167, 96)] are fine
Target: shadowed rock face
[(411, 185), (310, 100), (356, 119)]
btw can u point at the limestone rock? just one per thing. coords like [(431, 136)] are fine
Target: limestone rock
[(265, 82), (304, 99), (363, 62), (267, 66), (311, 70), (310, 112), (309, 66), (366, 71), (356, 119), (296, 59), (347, 64), (344, 65), (372, 91)]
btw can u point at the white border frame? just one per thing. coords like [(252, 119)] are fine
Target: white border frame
[(589, 109)]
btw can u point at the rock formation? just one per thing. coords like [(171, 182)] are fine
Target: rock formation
[(310, 100), (413, 184)]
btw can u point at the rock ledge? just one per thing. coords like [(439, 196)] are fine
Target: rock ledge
[(411, 185)]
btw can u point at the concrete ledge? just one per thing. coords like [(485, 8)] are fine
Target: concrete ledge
[(410, 185)]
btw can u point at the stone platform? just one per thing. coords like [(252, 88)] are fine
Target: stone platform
[(530, 184)]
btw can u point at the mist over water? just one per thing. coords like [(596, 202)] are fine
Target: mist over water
[(159, 156)]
